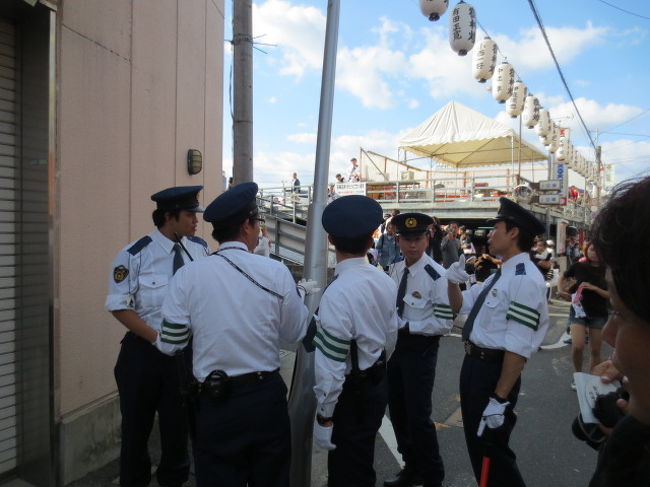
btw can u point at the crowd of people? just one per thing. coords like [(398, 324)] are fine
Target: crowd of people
[(212, 370)]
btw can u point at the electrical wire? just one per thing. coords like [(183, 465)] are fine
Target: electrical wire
[(559, 70), (623, 10)]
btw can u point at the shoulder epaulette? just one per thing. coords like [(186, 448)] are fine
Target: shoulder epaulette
[(199, 240), (520, 270), (432, 272), (139, 245)]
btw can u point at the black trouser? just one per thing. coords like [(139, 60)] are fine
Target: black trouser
[(411, 373), (357, 418), (478, 379), (244, 438), (148, 382)]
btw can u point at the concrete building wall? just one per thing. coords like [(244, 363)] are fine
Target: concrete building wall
[(139, 83)]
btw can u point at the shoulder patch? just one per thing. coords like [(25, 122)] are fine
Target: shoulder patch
[(120, 273), (520, 270), (199, 240), (432, 272), (139, 245)]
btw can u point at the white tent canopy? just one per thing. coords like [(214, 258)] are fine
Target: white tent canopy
[(461, 137)]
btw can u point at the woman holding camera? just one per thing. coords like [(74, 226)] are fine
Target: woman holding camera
[(625, 458), (588, 297)]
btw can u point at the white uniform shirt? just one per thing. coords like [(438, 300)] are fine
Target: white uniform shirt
[(141, 272), (359, 305), (426, 302), (514, 315), (236, 325)]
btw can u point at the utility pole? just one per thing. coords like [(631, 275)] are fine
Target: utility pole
[(242, 124)]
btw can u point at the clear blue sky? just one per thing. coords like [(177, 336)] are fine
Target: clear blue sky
[(395, 69)]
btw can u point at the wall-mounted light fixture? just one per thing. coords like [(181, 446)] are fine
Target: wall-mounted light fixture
[(194, 161)]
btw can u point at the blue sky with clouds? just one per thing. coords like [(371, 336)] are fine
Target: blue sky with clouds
[(395, 69)]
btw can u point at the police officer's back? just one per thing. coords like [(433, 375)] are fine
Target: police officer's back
[(147, 380), (237, 306)]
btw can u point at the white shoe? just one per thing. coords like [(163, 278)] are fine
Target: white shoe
[(573, 385)]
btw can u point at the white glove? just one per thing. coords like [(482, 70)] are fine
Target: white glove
[(401, 322), (323, 436), (456, 271), (493, 415), (309, 286)]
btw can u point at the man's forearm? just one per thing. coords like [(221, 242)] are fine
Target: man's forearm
[(511, 369), (455, 296), (135, 324)]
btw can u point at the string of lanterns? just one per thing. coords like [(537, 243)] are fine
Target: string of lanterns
[(506, 87)]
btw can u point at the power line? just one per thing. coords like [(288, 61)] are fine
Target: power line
[(559, 70), (629, 119), (624, 133), (623, 10)]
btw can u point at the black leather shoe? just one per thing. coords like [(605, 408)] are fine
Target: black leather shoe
[(404, 478)]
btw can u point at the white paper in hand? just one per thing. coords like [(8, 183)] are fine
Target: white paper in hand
[(588, 387)]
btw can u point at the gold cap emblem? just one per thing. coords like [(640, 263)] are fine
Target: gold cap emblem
[(410, 223)]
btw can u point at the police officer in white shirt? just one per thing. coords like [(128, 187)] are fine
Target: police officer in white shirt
[(238, 307), (146, 379), (424, 315), (357, 329), (507, 321)]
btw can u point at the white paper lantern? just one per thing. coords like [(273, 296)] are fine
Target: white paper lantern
[(462, 28), (485, 60), (560, 154), (502, 82), (515, 104), (544, 124), (553, 138), (530, 114), (433, 9)]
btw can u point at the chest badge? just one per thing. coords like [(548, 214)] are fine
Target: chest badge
[(120, 273), (416, 295), (493, 292)]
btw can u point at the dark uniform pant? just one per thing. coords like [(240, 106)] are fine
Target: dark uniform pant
[(148, 382), (244, 438), (411, 373), (478, 379), (357, 418)]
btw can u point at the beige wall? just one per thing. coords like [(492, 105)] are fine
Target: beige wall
[(139, 83)]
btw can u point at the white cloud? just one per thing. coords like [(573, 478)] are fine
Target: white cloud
[(529, 50), (304, 138), (299, 33), (595, 115), (273, 100), (630, 158)]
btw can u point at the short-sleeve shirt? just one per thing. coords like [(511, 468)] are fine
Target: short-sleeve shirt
[(237, 326), (592, 302), (514, 315), (141, 272)]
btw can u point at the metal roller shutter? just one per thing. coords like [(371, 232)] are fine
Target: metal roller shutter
[(8, 251)]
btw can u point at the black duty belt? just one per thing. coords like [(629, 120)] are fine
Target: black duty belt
[(252, 377), (487, 354)]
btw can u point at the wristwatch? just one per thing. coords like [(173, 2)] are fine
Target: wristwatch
[(321, 420)]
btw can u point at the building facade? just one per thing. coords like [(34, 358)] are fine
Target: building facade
[(100, 102)]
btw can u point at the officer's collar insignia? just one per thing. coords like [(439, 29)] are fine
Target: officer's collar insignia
[(416, 295), (410, 223), (120, 273)]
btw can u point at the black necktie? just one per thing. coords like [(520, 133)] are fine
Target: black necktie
[(178, 258), (469, 324), (401, 292)]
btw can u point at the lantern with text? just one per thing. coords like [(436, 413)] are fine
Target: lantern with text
[(462, 28), (433, 9), (485, 59), (544, 124), (553, 139), (515, 104), (502, 82), (530, 114)]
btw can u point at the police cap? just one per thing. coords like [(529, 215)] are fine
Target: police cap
[(411, 223), (178, 198), (352, 216), (518, 216), (233, 206)]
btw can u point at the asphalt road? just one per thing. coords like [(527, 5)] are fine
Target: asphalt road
[(548, 454)]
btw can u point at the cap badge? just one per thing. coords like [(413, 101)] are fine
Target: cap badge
[(120, 273), (410, 223)]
